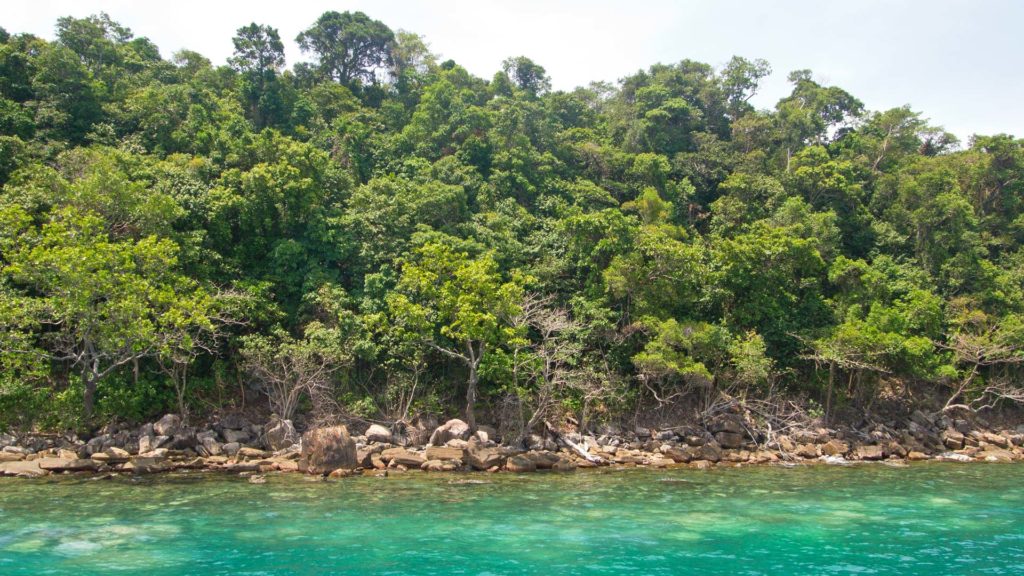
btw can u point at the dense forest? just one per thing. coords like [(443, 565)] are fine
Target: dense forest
[(375, 233)]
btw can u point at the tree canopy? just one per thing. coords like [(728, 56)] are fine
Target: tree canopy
[(381, 232)]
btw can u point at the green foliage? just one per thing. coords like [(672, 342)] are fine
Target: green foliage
[(368, 227)]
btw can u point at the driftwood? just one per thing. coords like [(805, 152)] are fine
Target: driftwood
[(579, 450)]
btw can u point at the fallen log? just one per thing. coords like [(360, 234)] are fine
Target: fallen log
[(581, 451)]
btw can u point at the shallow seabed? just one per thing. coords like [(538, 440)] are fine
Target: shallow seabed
[(926, 519)]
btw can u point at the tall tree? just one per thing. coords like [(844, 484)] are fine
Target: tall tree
[(350, 47)]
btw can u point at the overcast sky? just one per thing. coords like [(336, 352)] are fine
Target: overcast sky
[(959, 62)]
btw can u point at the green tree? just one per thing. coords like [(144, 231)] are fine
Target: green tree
[(103, 299), (350, 47), (460, 307)]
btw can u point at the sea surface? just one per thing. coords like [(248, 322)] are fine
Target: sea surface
[(931, 519)]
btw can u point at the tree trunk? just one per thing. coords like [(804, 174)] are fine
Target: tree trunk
[(828, 396), (471, 397), (89, 396)]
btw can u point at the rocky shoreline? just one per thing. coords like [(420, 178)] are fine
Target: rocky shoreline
[(235, 445)]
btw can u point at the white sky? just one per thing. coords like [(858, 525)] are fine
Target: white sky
[(959, 62)]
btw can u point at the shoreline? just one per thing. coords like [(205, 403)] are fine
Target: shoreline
[(236, 446)]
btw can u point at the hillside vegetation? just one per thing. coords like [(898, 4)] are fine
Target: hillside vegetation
[(374, 232)]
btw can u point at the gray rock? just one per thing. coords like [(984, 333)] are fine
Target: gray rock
[(146, 443), (168, 425), (729, 424), (378, 433), (234, 420), (481, 457), (444, 453), (490, 431), (401, 456), (729, 439), (453, 428), (953, 439), (147, 465), (711, 452), (280, 434), (520, 463), (213, 448), (230, 448), (231, 435), (954, 457)]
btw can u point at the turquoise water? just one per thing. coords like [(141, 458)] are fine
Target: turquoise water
[(927, 519)]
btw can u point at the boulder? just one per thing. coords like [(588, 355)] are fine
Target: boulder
[(665, 435), (896, 449), (915, 456), (253, 453), (806, 451), (711, 452), (286, 465), (230, 448), (68, 465), (364, 457), (727, 424), (953, 439), (377, 462), (231, 435), (11, 457), (150, 443), (444, 453), (481, 457), (214, 448), (520, 463), (22, 469), (489, 431), (327, 449), (233, 420), (694, 440), (728, 439), (418, 433), (678, 455), (167, 426), (996, 439), (439, 466), (378, 433), (451, 429), (872, 452), (566, 465), (954, 457), (280, 434), (543, 460), (403, 457), (835, 448), (996, 455), (146, 465), (116, 455)]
